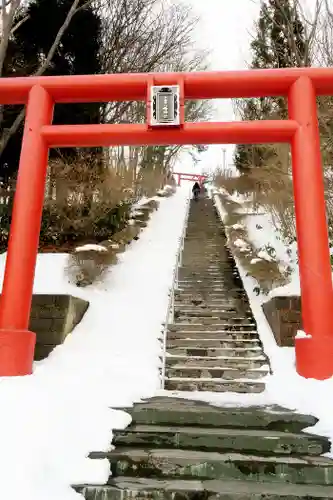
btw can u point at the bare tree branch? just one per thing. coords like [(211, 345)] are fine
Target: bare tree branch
[(7, 19), (8, 133)]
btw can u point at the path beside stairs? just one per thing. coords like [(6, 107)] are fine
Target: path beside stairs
[(181, 449)]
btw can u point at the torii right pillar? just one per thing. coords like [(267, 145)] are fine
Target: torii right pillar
[(314, 352)]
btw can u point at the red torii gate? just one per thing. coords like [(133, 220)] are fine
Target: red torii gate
[(314, 351), (189, 177)]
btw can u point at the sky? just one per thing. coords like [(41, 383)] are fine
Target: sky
[(225, 29)]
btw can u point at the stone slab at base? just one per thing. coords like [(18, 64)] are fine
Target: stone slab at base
[(284, 317)]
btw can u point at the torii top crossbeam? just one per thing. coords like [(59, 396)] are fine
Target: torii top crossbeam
[(189, 177), (197, 85)]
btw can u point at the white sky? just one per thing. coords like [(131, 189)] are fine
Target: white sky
[(224, 29)]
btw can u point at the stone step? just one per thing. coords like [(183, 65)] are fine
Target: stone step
[(214, 328), (220, 304), (203, 319), (225, 291), (196, 269), (216, 362), (165, 410), (206, 275), (211, 299), (212, 343), (211, 238), (199, 248), (214, 243), (253, 441), (196, 287), (206, 257), (203, 262), (215, 240), (205, 241), (198, 350), (232, 323), (213, 385), (205, 232), (199, 301), (208, 295), (213, 256), (199, 265), (213, 465), (223, 282), (200, 336), (206, 268), (225, 288), (221, 311), (215, 277), (220, 280), (129, 488), (214, 323), (211, 293), (203, 312), (226, 373)]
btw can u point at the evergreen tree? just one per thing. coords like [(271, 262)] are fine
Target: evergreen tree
[(280, 42), (78, 53)]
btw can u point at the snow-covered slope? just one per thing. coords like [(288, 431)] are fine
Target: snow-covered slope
[(51, 420)]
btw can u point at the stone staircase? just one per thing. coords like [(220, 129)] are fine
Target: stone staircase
[(179, 449), (213, 344)]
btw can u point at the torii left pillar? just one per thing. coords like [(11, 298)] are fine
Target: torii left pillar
[(17, 343)]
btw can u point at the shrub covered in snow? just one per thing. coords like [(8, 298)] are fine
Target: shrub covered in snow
[(85, 202)]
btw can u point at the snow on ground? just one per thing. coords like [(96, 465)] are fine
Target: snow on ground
[(264, 236), (166, 190), (91, 247), (54, 418), (284, 387)]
